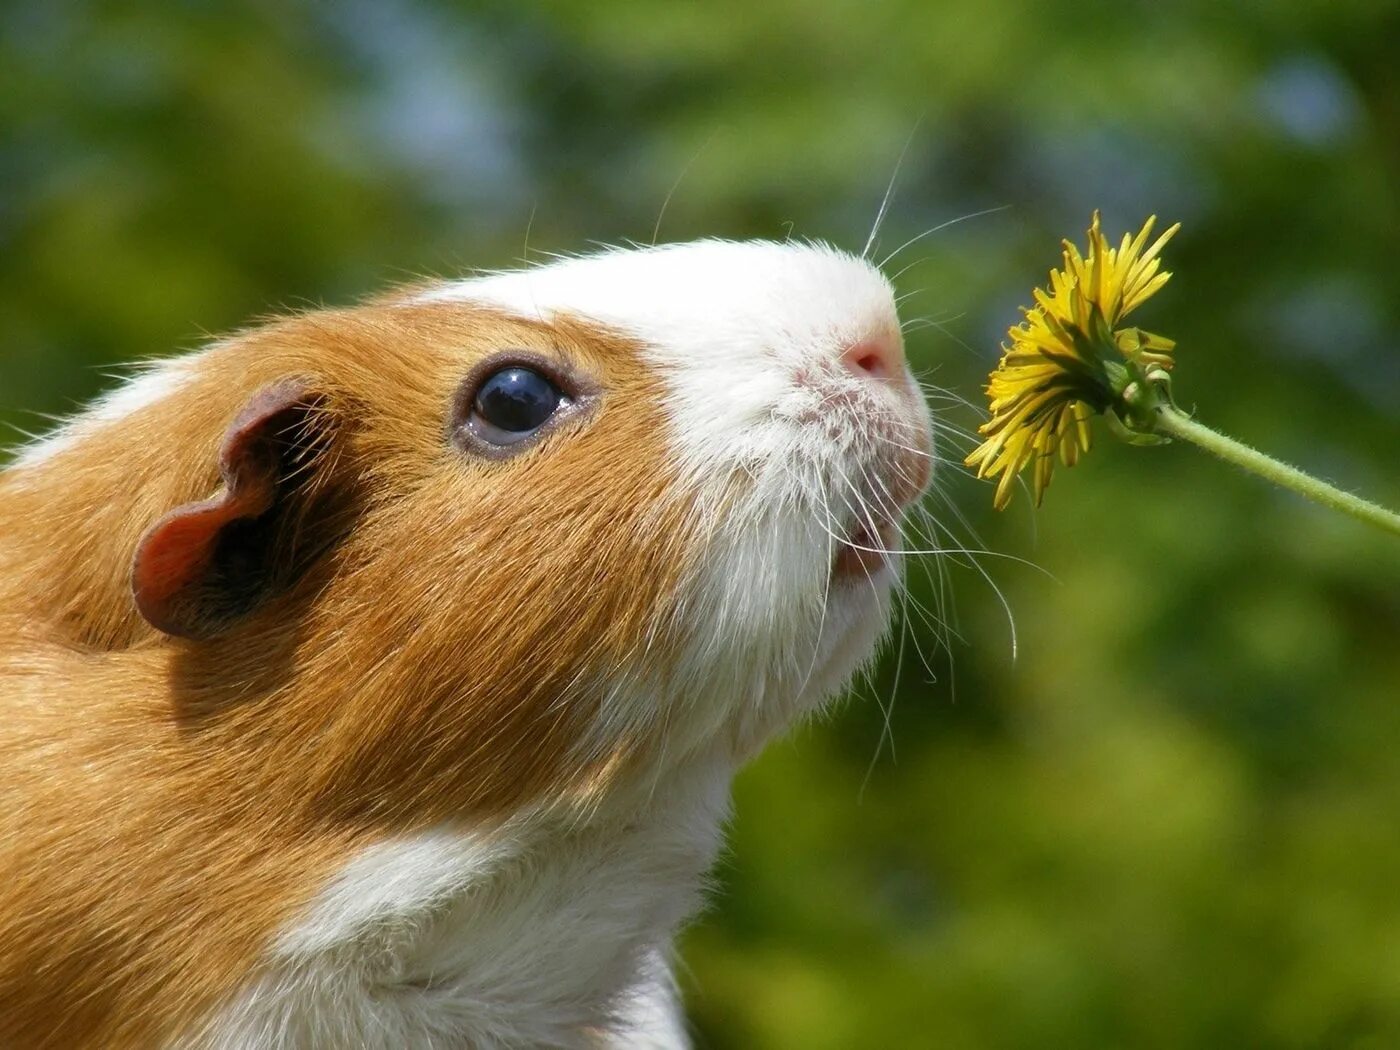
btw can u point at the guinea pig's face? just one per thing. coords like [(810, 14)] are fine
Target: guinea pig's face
[(789, 437), (488, 540)]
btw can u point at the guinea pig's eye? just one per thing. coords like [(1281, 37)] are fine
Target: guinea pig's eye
[(517, 396), (512, 403)]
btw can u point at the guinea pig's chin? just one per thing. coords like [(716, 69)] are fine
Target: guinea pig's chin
[(857, 617), (774, 631)]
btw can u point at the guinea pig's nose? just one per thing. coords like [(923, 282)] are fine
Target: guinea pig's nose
[(875, 357)]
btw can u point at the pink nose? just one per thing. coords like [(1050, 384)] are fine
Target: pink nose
[(878, 357)]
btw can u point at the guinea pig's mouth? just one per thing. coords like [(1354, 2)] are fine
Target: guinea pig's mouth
[(867, 549)]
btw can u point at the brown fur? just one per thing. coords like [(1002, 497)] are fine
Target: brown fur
[(167, 805)]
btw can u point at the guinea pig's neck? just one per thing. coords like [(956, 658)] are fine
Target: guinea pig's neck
[(549, 911)]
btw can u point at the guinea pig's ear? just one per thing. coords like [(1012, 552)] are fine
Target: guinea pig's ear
[(204, 566)]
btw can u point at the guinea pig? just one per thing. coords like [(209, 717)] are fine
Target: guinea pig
[(375, 677)]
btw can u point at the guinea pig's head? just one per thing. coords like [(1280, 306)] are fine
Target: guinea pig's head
[(786, 438), (791, 438), (525, 531)]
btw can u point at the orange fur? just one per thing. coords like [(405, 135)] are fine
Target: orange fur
[(166, 805)]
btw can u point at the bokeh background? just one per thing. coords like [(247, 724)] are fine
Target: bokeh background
[(1173, 818)]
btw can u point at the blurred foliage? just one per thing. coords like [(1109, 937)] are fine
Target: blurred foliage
[(1171, 819)]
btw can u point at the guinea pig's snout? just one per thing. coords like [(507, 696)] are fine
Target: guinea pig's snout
[(885, 411), (855, 376), (866, 401), (875, 357)]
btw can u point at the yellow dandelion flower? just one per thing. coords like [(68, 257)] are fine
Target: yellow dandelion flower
[(1068, 360)]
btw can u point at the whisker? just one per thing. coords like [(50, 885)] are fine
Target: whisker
[(941, 393), (894, 277), (962, 344), (909, 608), (529, 225), (656, 230), (889, 191), (941, 226)]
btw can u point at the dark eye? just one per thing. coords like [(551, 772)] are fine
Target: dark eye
[(512, 404)]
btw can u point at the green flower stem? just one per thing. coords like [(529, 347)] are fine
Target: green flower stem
[(1170, 421)]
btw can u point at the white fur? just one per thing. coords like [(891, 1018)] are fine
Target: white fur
[(651, 1018), (533, 934), (145, 388), (537, 932)]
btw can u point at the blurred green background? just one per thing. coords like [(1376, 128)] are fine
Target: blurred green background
[(1173, 819)]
